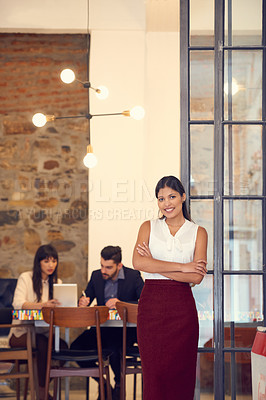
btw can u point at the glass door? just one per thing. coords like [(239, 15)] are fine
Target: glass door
[(223, 127)]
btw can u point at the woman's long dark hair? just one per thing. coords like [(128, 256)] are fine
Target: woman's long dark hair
[(173, 183), (43, 252)]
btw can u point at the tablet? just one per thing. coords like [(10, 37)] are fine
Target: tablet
[(66, 294)]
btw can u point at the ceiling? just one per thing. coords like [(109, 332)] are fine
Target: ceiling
[(71, 16)]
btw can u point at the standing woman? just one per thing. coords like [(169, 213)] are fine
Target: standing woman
[(34, 290), (172, 253)]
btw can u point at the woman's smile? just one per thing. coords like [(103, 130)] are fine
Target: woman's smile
[(169, 209)]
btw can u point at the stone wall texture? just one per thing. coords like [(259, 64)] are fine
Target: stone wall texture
[(43, 182)]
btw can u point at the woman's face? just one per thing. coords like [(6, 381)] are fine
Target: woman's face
[(170, 202), (48, 266)]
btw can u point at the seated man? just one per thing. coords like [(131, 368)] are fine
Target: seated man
[(111, 283)]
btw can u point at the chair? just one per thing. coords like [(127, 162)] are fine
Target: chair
[(130, 359), (7, 289), (18, 355), (75, 317)]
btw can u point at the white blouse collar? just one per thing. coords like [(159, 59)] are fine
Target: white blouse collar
[(173, 241)]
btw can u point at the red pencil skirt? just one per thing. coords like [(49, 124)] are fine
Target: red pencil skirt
[(168, 333)]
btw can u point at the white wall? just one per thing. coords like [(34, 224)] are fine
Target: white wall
[(118, 63), (139, 68)]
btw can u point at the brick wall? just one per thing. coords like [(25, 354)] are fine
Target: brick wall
[(43, 183)]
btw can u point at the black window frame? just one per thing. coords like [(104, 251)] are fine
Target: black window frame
[(218, 196)]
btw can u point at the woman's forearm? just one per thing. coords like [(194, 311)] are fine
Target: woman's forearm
[(31, 306), (38, 306), (151, 265), (187, 277), (195, 270)]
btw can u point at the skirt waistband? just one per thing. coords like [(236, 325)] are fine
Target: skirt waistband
[(165, 282)]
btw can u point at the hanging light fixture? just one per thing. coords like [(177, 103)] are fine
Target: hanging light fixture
[(68, 76), (40, 119), (90, 160)]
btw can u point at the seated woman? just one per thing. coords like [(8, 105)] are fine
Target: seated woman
[(34, 290)]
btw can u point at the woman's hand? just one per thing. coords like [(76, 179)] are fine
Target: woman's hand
[(198, 267), (51, 303), (144, 250)]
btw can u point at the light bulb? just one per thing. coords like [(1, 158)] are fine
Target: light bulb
[(39, 120), (102, 92), (137, 112), (90, 160), (234, 87), (67, 76)]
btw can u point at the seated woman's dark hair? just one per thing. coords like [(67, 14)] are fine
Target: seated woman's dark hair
[(44, 252), (173, 183)]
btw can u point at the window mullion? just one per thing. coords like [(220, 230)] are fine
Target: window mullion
[(184, 95), (218, 202), (264, 154)]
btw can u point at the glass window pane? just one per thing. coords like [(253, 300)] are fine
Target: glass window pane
[(242, 160), (201, 85), (244, 20), (240, 334), (201, 144), (227, 375), (243, 298), (203, 295), (205, 377), (242, 235), (242, 85), (237, 369), (201, 23), (202, 214)]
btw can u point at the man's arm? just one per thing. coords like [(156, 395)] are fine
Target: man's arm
[(129, 289), (89, 292)]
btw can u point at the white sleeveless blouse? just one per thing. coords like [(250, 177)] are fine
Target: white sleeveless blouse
[(166, 247)]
